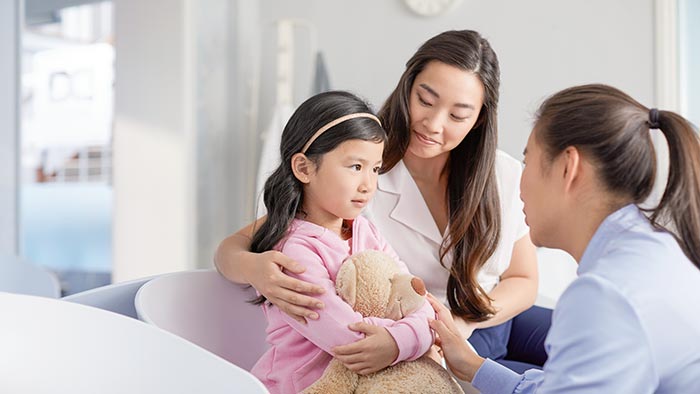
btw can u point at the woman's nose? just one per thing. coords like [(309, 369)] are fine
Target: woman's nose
[(433, 123)]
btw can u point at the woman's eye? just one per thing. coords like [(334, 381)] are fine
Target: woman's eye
[(459, 119), (423, 102)]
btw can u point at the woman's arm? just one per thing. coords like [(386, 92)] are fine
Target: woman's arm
[(233, 255), (264, 272), (517, 288)]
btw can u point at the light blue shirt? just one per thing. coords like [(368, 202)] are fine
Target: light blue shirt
[(630, 322)]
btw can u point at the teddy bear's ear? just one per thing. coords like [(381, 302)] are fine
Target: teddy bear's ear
[(346, 282)]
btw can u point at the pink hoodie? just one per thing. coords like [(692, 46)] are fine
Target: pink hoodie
[(299, 353)]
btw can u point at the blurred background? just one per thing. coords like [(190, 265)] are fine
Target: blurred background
[(132, 131)]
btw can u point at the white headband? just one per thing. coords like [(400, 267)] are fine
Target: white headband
[(335, 122)]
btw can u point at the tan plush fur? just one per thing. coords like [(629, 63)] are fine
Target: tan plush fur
[(370, 282)]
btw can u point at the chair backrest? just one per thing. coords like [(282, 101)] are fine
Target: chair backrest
[(117, 297), (21, 277), (208, 310), (53, 346)]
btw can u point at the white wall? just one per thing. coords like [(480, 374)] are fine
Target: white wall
[(182, 145), (9, 123), (153, 207), (186, 144), (543, 46)]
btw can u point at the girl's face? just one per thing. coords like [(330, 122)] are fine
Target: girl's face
[(343, 182), (444, 104), (540, 191)]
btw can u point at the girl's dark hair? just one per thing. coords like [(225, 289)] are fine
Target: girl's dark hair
[(473, 202), (282, 193), (612, 129)]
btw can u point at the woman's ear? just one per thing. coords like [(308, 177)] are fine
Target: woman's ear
[(302, 167), (572, 167)]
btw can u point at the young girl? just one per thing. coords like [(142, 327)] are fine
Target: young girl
[(331, 152)]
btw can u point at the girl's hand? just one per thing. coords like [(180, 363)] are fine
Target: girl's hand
[(287, 293), (377, 351), (461, 360)]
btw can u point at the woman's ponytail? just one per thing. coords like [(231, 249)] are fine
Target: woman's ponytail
[(680, 203)]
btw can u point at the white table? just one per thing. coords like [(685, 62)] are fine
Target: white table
[(53, 346)]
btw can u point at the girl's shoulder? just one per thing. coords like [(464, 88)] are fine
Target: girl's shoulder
[(301, 232)]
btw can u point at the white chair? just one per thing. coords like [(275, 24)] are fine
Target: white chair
[(208, 310), (117, 297), (52, 346), (21, 277)]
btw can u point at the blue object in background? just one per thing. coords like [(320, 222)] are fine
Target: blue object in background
[(67, 227)]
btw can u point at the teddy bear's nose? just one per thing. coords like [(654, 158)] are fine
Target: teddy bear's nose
[(418, 285)]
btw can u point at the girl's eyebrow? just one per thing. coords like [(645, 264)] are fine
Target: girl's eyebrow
[(356, 158), (432, 92), (361, 160)]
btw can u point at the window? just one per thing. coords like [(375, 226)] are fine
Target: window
[(689, 52)]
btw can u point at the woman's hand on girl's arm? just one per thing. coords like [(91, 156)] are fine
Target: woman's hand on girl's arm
[(285, 292), (460, 359), (377, 351), (264, 272)]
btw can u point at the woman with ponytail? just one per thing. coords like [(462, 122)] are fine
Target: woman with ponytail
[(629, 322)]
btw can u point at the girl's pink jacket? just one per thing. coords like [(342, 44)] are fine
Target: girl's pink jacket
[(299, 353)]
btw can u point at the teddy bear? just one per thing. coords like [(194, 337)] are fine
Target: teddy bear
[(371, 283)]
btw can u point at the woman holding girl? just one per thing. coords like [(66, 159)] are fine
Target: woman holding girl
[(447, 201)]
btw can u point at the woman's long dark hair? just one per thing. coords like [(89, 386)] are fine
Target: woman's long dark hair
[(613, 130), (283, 192), (472, 193)]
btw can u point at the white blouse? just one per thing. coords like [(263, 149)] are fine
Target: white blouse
[(400, 213)]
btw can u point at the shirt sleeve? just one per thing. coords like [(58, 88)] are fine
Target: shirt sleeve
[(331, 328), (412, 333), (596, 344)]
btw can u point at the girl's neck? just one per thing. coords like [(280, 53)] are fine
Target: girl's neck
[(430, 170)]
